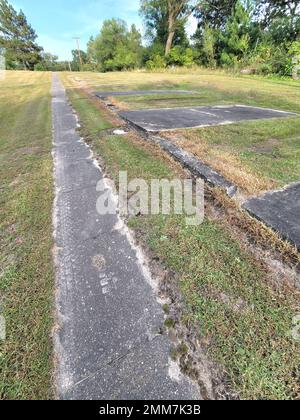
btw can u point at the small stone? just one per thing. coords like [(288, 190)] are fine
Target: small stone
[(119, 132)]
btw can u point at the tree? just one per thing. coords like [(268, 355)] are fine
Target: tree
[(48, 62), (155, 16), (281, 17), (18, 38), (166, 18), (236, 38), (213, 13), (272, 9), (116, 48), (209, 42), (76, 62)]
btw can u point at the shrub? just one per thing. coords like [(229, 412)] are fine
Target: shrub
[(156, 62)]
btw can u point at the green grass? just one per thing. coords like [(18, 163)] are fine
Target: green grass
[(97, 123), (26, 274), (226, 291)]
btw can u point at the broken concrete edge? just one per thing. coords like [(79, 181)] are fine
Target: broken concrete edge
[(248, 204), (281, 234), (197, 168)]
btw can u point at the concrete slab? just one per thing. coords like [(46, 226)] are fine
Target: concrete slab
[(103, 95), (108, 340), (155, 120), (280, 210)]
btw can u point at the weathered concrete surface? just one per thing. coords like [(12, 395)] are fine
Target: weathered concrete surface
[(103, 95), (198, 168), (108, 339), (156, 120), (280, 210)]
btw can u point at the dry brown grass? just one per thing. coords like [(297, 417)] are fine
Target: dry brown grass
[(222, 161), (122, 106)]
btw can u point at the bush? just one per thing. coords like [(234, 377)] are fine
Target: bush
[(189, 58), (228, 60), (181, 57), (156, 62)]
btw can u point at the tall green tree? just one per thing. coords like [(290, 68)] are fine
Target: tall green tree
[(166, 18), (208, 45), (236, 36), (77, 60), (155, 16), (116, 47), (281, 18), (271, 9), (18, 38), (213, 13)]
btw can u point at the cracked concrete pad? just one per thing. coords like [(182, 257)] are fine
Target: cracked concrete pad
[(280, 210), (108, 340), (156, 120), (103, 95)]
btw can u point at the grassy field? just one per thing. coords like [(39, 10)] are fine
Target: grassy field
[(257, 156), (227, 292), (26, 273)]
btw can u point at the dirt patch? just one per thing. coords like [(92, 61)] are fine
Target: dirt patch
[(31, 151), (268, 147)]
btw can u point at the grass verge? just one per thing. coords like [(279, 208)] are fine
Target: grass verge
[(26, 274), (245, 321)]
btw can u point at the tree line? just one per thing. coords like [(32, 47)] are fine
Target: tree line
[(253, 36)]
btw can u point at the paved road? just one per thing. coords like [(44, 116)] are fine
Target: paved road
[(108, 342), (200, 116)]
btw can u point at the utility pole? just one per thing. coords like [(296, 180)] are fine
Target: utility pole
[(77, 39)]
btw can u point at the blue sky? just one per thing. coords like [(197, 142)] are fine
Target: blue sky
[(58, 21)]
